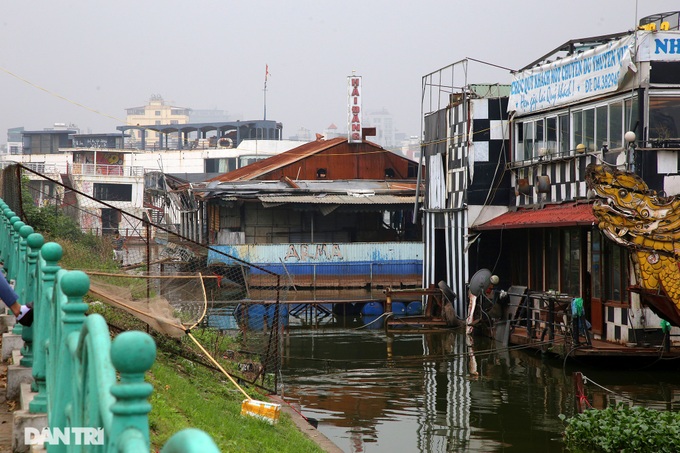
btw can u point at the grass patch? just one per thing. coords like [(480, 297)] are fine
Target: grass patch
[(186, 394)]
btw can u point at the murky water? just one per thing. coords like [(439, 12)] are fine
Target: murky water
[(441, 392)]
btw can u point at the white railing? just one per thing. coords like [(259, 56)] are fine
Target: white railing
[(105, 170)]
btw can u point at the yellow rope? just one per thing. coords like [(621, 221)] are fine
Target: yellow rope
[(205, 303), (216, 363)]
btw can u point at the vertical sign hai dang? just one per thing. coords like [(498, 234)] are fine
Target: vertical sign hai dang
[(354, 109)]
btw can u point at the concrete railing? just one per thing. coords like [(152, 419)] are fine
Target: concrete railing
[(66, 376)]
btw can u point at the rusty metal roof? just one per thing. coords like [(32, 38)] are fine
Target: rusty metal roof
[(550, 216), (281, 160), (265, 166)]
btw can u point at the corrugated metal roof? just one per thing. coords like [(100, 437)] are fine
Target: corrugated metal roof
[(550, 216), (307, 187), (369, 199), (281, 160)]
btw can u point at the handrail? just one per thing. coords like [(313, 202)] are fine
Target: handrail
[(74, 363)]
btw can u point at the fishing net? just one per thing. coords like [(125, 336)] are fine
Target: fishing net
[(149, 258)]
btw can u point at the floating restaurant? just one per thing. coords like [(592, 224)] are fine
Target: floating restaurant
[(563, 184)]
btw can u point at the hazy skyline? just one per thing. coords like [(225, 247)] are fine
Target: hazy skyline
[(207, 54)]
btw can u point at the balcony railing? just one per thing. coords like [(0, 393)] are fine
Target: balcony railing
[(105, 170)]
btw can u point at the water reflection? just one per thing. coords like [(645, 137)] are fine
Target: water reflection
[(437, 392)]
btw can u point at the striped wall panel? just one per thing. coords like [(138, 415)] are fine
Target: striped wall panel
[(567, 180)]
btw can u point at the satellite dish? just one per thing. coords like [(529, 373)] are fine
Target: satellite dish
[(480, 282)]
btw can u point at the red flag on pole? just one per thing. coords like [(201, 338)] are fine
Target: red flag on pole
[(266, 72)]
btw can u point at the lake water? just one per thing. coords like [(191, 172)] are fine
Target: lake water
[(445, 392)]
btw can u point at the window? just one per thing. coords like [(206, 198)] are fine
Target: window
[(570, 259), (616, 274), (596, 271), (538, 142), (112, 192), (551, 134), (616, 125), (519, 153), (601, 126), (589, 129), (564, 134), (664, 118), (158, 113), (529, 140), (632, 115), (321, 173), (222, 165), (247, 160), (577, 123)]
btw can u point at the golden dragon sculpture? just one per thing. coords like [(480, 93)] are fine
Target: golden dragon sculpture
[(648, 224)]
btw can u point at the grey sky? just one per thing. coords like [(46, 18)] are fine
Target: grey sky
[(201, 54)]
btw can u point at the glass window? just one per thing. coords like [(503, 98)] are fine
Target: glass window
[(571, 262), (589, 129), (564, 134), (615, 285), (632, 116), (519, 154), (577, 124), (529, 140), (112, 192), (616, 125), (596, 270), (602, 124), (551, 134), (538, 143), (664, 117)]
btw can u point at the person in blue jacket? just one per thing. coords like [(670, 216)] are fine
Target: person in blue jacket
[(23, 313)]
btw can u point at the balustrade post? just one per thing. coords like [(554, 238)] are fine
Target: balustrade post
[(74, 285), (3, 228), (43, 284), (15, 226), (132, 354), (21, 288), (12, 245)]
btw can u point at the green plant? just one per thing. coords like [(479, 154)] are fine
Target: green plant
[(623, 429)]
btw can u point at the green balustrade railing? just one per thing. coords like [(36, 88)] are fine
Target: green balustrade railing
[(73, 361)]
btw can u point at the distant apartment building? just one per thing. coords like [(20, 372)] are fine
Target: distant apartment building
[(155, 113), (383, 122), (14, 145), (410, 147)]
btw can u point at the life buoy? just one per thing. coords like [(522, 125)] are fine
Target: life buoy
[(225, 142)]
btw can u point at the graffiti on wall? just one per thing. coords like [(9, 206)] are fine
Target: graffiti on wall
[(313, 252)]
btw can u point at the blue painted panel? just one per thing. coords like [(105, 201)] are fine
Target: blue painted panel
[(392, 258)]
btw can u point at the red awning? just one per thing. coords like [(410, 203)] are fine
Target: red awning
[(549, 216)]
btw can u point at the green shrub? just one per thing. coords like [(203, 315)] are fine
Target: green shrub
[(623, 429)]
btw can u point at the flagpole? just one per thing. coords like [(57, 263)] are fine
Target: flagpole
[(266, 73)]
